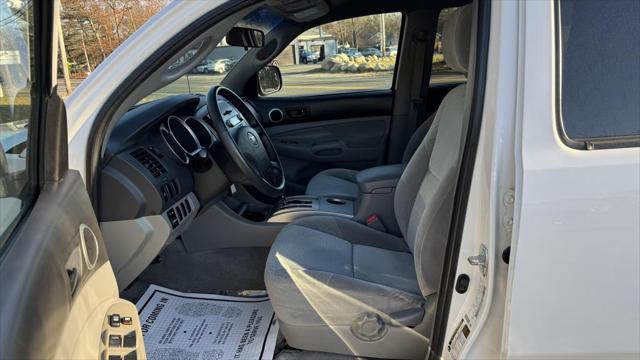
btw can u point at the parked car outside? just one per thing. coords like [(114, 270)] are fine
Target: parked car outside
[(371, 52), (308, 56), (349, 52), (391, 51), (218, 66)]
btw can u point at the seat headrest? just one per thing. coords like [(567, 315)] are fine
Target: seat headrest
[(456, 37)]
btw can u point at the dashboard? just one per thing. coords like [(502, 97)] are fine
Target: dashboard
[(158, 171), (157, 154), (145, 168)]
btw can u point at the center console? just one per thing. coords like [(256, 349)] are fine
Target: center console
[(377, 188), (374, 206), (240, 220), (295, 207)]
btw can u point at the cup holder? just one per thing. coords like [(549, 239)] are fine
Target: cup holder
[(336, 201)]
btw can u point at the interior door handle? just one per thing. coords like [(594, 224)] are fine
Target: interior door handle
[(297, 113), (329, 148), (74, 279)]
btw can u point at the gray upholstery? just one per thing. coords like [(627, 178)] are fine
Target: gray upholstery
[(324, 273), (329, 254), (417, 138), (342, 183), (420, 204)]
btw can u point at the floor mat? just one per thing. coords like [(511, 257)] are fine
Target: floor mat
[(178, 325), (205, 271), (294, 354)]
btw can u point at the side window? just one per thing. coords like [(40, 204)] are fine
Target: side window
[(599, 69), (16, 44), (441, 73), (351, 55)]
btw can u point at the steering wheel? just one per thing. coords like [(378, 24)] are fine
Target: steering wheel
[(246, 142)]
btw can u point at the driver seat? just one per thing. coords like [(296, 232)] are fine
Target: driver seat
[(339, 286)]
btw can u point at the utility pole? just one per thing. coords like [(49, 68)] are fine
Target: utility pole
[(383, 35), (63, 57)]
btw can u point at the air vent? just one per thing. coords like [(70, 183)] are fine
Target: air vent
[(179, 212), (169, 190), (146, 159)]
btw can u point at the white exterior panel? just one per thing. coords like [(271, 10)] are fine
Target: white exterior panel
[(575, 269)]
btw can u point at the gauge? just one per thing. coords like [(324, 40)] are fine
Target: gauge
[(183, 135), (173, 145), (203, 132)]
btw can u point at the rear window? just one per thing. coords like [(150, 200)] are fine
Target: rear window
[(599, 68)]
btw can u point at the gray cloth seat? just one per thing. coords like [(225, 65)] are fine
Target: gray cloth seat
[(341, 183), (338, 183), (368, 266), (341, 287)]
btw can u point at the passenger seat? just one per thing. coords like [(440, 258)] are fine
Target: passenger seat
[(339, 286)]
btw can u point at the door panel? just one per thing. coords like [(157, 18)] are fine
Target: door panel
[(56, 278), (56, 283), (303, 109), (328, 131), (334, 131), (347, 143)]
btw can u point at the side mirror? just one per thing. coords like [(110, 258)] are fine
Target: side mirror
[(269, 80), (245, 37)]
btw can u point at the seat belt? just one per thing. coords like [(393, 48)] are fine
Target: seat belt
[(420, 42)]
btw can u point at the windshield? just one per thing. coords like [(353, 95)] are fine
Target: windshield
[(215, 67)]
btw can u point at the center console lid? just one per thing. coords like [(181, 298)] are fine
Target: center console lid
[(379, 179)]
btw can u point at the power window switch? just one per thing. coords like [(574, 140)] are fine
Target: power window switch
[(115, 340), (127, 320), (114, 320), (130, 340)]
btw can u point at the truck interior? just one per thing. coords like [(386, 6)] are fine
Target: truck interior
[(338, 206)]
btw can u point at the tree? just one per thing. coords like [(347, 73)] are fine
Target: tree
[(94, 28), (365, 31)]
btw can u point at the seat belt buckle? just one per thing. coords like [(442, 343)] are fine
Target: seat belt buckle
[(374, 221)]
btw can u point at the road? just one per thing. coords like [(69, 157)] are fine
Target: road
[(297, 80)]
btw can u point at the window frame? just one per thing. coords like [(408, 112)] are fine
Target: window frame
[(391, 89), (40, 87), (596, 143)]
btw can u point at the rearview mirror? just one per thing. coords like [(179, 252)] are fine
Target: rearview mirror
[(269, 80), (245, 37)]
